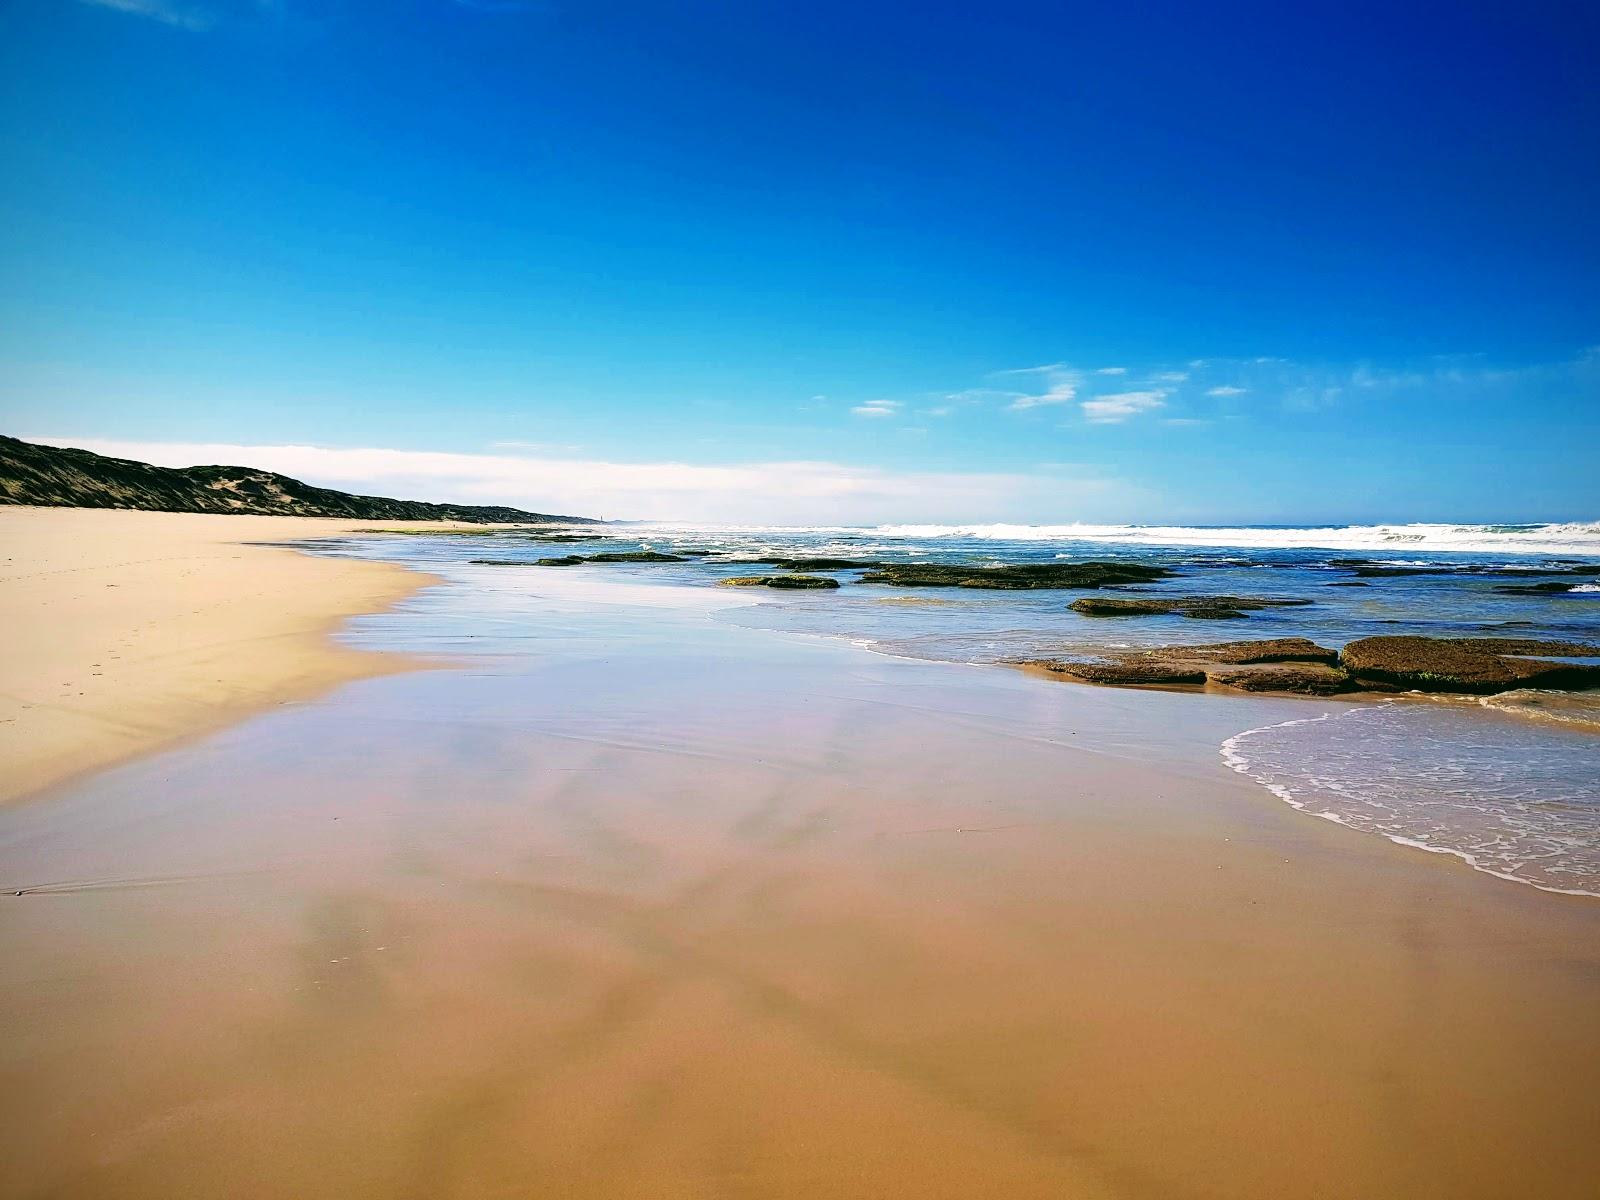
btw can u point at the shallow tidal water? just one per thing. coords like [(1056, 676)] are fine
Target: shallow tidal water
[(1509, 786)]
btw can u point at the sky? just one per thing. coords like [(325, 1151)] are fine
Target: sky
[(762, 262)]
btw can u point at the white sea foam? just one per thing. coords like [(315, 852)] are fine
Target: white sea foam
[(1506, 798), (1573, 537), (1577, 537)]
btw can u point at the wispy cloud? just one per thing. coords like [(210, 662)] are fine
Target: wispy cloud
[(192, 17), (196, 16), (1120, 406), (877, 408), (1112, 371), (1061, 387), (759, 492), (1059, 393), (1225, 390)]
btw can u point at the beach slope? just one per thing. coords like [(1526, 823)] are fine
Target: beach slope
[(124, 631)]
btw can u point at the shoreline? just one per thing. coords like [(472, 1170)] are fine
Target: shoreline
[(132, 632)]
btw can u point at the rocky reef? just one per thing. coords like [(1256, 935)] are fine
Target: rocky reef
[(574, 560), (1471, 664), (796, 582), (819, 564), (1016, 576), (1376, 664), (1203, 608)]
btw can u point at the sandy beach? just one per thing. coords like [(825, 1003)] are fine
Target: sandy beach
[(624, 900), (125, 631)]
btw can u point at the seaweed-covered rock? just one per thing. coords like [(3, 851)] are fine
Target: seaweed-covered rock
[(1016, 575), (1199, 607), (820, 564), (612, 556), (780, 581), (1309, 679), (1296, 665), (1262, 650), (1535, 589), (1125, 671), (1471, 664)]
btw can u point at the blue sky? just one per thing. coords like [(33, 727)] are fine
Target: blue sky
[(763, 262)]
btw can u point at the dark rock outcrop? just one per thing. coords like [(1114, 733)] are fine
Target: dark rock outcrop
[(1153, 671), (1306, 679), (819, 564), (1263, 650), (610, 556), (1016, 576), (60, 477), (1535, 589), (1471, 664), (1377, 664), (1269, 665), (1214, 608), (780, 581)]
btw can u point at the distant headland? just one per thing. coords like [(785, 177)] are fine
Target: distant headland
[(59, 477)]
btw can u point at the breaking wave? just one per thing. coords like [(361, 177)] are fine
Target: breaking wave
[(1574, 537)]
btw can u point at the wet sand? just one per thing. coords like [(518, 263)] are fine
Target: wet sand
[(125, 631), (634, 903)]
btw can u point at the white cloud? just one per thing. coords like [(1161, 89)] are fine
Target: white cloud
[(1112, 371), (183, 16), (1046, 369), (1173, 376), (877, 408), (1226, 390), (746, 493), (1059, 393), (1118, 407)]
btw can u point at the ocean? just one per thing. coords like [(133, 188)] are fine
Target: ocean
[(1507, 784)]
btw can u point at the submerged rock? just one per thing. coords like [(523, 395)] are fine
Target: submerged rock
[(1020, 576), (820, 564), (1214, 608), (780, 581), (574, 560), (1535, 589), (1471, 664)]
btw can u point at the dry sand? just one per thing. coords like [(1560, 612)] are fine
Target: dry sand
[(121, 632)]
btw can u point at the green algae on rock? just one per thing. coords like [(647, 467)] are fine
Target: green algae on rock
[(1016, 576), (1476, 665), (1214, 608), (780, 581)]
